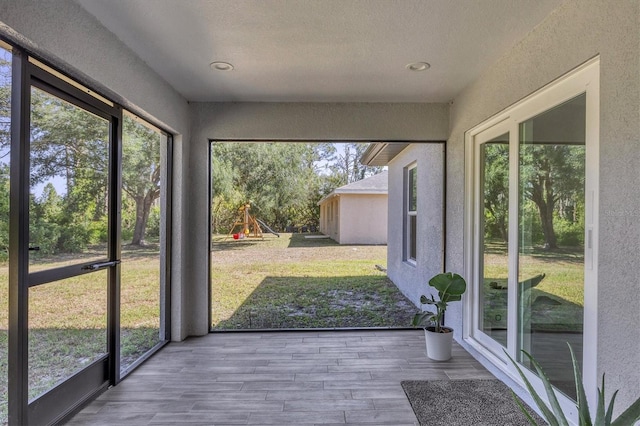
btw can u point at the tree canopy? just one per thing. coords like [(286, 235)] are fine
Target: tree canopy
[(69, 175), (283, 181), (551, 193)]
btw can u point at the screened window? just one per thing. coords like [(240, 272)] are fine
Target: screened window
[(144, 201), (411, 191)]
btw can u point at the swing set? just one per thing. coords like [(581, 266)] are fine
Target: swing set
[(250, 226)]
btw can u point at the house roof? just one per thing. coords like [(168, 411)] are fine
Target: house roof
[(376, 184), (380, 153)]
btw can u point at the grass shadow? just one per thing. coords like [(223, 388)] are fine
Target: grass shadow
[(573, 255), (231, 244), (321, 302), (136, 252), (547, 312), (221, 243), (301, 240)]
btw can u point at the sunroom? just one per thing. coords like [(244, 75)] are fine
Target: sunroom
[(460, 99)]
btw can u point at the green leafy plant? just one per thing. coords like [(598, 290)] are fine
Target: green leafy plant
[(450, 288), (554, 414)]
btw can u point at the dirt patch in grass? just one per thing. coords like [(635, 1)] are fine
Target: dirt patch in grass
[(294, 282)]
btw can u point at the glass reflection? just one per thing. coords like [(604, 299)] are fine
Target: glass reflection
[(494, 229), (551, 244)]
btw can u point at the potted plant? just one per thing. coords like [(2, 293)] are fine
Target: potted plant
[(439, 338)]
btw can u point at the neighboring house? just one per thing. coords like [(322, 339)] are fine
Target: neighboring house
[(356, 213)]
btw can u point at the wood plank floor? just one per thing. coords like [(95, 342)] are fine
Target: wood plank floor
[(282, 378)]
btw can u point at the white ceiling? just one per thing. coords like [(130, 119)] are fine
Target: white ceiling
[(320, 50)]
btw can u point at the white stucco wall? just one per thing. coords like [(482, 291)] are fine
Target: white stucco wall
[(577, 31), (363, 219), (62, 33), (412, 279), (287, 121)]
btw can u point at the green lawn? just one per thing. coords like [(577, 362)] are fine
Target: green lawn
[(295, 282)]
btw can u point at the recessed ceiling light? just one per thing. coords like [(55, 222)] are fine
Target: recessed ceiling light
[(221, 66), (418, 66)]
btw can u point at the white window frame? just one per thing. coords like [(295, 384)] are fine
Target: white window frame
[(584, 79), (408, 239)]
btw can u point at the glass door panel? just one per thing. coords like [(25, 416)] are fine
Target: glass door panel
[(143, 219), (69, 158), (67, 329), (493, 238), (551, 239), (69, 265)]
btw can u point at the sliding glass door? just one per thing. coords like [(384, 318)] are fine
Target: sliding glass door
[(534, 236), (551, 218)]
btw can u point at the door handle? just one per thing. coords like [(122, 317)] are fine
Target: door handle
[(100, 265), (34, 248)]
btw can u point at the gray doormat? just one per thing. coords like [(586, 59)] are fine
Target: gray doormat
[(465, 402)]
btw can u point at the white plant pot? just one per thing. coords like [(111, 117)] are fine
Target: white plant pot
[(439, 344)]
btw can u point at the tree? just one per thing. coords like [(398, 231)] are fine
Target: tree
[(67, 142), (44, 221), (141, 172), (5, 104), (549, 173), (225, 195), (69, 147), (283, 181), (4, 211), (70, 144), (346, 163), (5, 141), (279, 180), (496, 189)]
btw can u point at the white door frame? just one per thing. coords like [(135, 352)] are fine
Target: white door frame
[(584, 79)]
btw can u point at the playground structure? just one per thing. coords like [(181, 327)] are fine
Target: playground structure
[(250, 227)]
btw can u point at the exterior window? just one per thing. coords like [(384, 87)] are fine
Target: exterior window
[(411, 184)]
